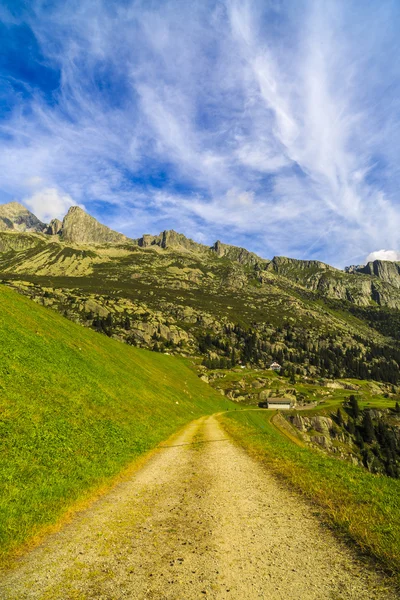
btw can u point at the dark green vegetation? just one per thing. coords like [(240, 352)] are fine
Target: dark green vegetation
[(375, 434), (363, 506), (75, 408)]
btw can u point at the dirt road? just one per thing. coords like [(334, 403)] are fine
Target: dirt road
[(199, 520)]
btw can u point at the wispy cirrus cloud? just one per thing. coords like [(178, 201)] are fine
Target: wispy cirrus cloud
[(273, 125)]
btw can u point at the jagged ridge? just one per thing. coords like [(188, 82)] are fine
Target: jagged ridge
[(377, 282)]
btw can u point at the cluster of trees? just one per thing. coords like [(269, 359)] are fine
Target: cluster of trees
[(109, 323), (379, 443), (228, 357), (300, 351), (385, 320)]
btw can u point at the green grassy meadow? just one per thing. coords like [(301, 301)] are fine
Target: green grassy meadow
[(76, 407), (363, 506)]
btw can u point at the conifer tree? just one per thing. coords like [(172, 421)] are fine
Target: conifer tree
[(350, 426), (359, 440), (355, 409), (368, 431)]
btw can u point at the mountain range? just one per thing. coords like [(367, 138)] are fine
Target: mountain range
[(78, 227), (220, 302)]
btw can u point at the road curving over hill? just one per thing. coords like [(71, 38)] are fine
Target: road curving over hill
[(199, 519)]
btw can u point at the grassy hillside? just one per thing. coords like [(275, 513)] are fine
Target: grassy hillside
[(75, 408), (364, 506)]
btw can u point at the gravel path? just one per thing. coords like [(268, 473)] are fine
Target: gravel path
[(199, 519)]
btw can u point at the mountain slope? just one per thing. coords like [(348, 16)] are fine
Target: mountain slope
[(377, 284), (75, 408), (222, 303)]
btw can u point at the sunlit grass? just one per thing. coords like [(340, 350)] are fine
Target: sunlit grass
[(75, 408)]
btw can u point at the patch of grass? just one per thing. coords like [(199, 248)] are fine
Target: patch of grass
[(75, 408), (365, 507)]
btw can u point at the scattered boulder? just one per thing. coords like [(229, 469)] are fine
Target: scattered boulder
[(321, 440)]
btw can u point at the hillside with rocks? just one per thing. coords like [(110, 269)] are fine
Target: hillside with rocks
[(368, 437), (220, 303)]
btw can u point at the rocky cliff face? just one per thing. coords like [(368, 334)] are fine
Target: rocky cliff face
[(282, 264), (15, 217), (54, 227), (170, 239), (384, 270), (375, 283), (80, 228), (240, 255)]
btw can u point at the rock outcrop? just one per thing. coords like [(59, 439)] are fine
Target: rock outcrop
[(54, 227), (316, 430), (80, 228), (237, 254), (383, 269), (284, 265), (170, 239), (15, 217), (375, 283)]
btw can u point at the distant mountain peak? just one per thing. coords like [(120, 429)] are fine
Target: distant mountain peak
[(16, 217), (79, 227)]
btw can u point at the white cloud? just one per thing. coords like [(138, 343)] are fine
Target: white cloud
[(393, 255), (49, 203), (272, 120)]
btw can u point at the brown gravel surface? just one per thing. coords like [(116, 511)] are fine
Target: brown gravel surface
[(199, 519)]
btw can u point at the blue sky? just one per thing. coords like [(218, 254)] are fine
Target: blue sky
[(274, 125)]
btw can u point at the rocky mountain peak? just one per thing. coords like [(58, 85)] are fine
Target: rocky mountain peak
[(16, 217), (383, 269), (172, 239), (353, 268), (80, 228), (238, 254)]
